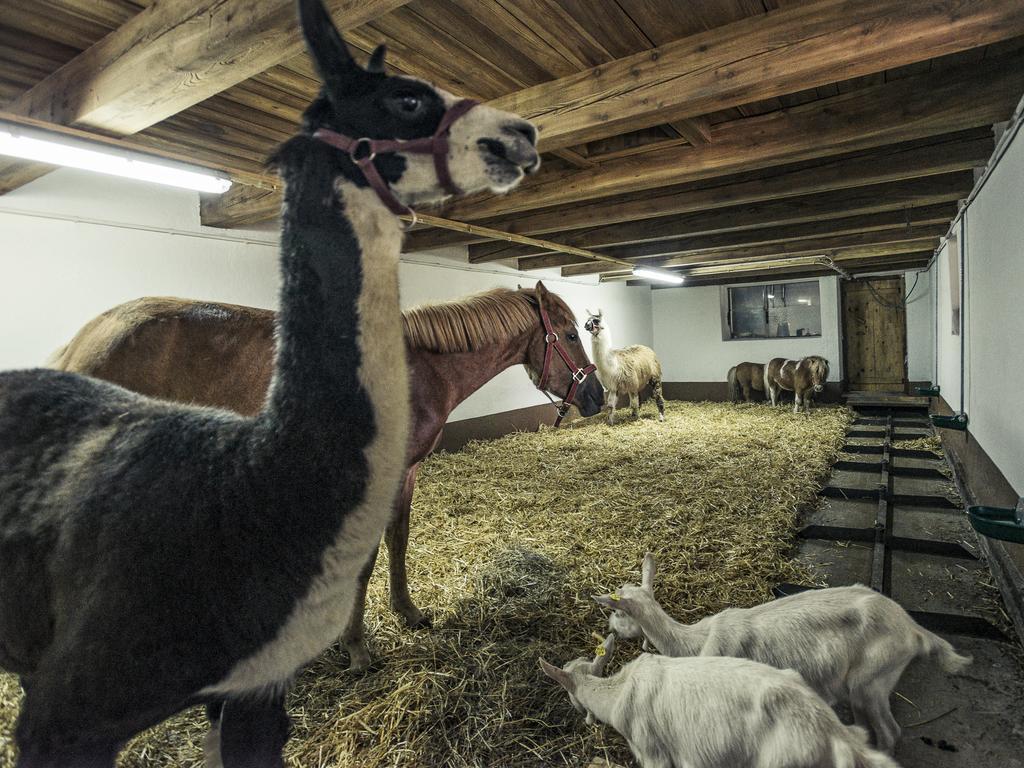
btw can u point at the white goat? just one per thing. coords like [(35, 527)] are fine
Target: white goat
[(714, 712), (850, 644), (626, 371)]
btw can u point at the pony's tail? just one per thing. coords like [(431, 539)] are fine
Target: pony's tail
[(731, 378)]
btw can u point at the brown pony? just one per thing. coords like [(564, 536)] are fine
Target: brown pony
[(804, 378), (745, 377), (222, 355)]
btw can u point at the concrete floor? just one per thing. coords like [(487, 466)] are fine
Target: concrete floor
[(971, 721)]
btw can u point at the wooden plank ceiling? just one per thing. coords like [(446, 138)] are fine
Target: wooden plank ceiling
[(711, 137)]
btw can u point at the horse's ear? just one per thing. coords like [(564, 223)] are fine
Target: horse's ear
[(376, 63), (541, 290), (333, 60)]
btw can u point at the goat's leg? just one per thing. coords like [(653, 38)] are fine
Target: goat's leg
[(634, 404), (253, 732), (659, 398), (871, 709), (613, 401), (397, 538), (354, 638)]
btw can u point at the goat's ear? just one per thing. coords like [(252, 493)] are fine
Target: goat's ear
[(602, 659), (615, 602), (560, 676), (647, 570), (376, 62)]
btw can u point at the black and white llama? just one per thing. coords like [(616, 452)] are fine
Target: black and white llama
[(154, 556)]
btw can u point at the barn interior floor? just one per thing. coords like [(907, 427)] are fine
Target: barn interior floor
[(897, 524)]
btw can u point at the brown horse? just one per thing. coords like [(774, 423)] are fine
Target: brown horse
[(744, 378), (222, 355), (804, 378)]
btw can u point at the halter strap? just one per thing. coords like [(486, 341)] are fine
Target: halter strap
[(362, 152), (579, 375)]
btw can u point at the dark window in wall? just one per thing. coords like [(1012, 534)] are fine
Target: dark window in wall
[(773, 311)]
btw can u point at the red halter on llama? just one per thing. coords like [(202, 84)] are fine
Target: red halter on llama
[(156, 555)]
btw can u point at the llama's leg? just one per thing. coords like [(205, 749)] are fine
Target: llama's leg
[(253, 732), (211, 744), (79, 756), (48, 737), (613, 401), (397, 538), (659, 398), (354, 638), (634, 404)]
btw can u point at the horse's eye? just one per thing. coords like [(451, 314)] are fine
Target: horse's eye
[(571, 336)]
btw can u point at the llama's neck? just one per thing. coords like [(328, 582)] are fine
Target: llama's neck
[(669, 636), (341, 352), (604, 357)]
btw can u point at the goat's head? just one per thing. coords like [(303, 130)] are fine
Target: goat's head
[(590, 394), (487, 148), (629, 601), (570, 675)]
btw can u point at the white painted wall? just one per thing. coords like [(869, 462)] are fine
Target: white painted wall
[(73, 244), (688, 335), (920, 326), (994, 294)]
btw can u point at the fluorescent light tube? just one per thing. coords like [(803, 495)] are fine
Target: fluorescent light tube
[(659, 275), (43, 147)]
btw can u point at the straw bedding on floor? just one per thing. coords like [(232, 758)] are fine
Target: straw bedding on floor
[(509, 540)]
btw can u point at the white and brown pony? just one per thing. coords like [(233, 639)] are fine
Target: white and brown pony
[(804, 378), (745, 378), (624, 371)]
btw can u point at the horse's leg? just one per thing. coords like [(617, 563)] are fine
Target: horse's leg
[(634, 404), (772, 393), (746, 392), (354, 638), (397, 538), (659, 398), (253, 732), (613, 400), (797, 396)]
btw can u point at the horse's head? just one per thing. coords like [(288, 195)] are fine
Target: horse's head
[(594, 322), (485, 147), (590, 394), (818, 367)]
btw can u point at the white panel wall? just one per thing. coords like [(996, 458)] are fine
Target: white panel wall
[(920, 326), (73, 244), (688, 335), (948, 342)]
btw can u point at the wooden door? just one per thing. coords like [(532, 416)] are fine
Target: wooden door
[(875, 334)]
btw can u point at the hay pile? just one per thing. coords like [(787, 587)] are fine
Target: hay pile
[(509, 540), (931, 443)]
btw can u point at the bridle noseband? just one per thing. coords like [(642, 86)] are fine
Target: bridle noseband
[(579, 375), (363, 151)]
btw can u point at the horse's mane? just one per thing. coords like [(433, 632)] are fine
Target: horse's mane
[(477, 321)]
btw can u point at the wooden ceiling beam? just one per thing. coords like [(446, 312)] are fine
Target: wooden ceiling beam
[(169, 57), (943, 154), (756, 58), (845, 225), (837, 248), (911, 108)]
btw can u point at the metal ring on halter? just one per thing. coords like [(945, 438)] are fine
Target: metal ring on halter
[(550, 338), (369, 148)]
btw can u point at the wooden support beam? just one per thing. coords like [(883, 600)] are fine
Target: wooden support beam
[(881, 263), (941, 213), (759, 57), (870, 244), (696, 130), (944, 154), (661, 235), (911, 108), (170, 56)]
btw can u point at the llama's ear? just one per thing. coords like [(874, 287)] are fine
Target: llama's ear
[(376, 62), (560, 676), (647, 570), (589, 313), (333, 61)]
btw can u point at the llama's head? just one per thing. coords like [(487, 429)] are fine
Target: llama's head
[(630, 601), (595, 322), (817, 367), (589, 394), (571, 674), (487, 149)]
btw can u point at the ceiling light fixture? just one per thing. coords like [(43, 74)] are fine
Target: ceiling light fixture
[(659, 275)]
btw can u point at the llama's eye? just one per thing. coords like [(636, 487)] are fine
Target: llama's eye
[(408, 104)]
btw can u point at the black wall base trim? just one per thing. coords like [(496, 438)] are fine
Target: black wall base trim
[(457, 433), (980, 481), (718, 392)]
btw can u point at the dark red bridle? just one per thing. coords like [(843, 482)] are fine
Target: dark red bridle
[(552, 345), (363, 151)]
